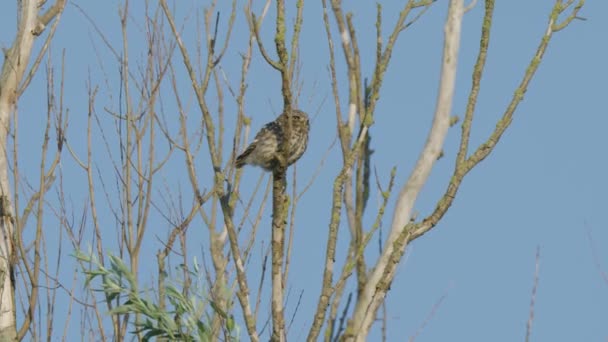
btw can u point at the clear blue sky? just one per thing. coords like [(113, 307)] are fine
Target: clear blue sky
[(544, 185)]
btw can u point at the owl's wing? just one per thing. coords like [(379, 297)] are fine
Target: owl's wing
[(241, 160), (270, 129)]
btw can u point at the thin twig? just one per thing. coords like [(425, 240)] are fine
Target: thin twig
[(533, 296)]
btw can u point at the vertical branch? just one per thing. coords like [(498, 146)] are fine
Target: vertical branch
[(200, 89), (128, 230), (280, 205), (295, 39), (292, 217), (146, 168), (13, 68), (533, 296), (279, 40), (15, 63), (92, 200), (327, 289), (243, 292), (350, 51), (377, 285), (476, 82), (46, 178), (280, 201), (217, 238), (350, 193), (362, 100)]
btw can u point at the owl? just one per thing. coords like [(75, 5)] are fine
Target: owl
[(264, 149)]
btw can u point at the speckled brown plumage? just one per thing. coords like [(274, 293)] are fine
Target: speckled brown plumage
[(264, 149)]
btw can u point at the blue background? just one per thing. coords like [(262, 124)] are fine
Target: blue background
[(544, 185)]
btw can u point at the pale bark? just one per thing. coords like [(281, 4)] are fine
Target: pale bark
[(373, 294), (13, 69), (12, 84)]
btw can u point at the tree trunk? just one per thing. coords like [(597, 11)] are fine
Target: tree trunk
[(16, 60)]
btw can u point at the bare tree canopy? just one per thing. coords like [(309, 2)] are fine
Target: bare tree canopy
[(303, 170)]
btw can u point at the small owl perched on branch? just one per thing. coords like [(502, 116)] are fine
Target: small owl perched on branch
[(264, 149)]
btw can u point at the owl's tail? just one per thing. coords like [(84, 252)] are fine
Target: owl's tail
[(241, 160)]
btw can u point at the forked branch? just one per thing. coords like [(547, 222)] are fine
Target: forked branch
[(378, 284)]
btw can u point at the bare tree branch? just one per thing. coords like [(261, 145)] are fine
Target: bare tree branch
[(381, 276)]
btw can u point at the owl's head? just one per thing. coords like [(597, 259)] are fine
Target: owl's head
[(299, 116)]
